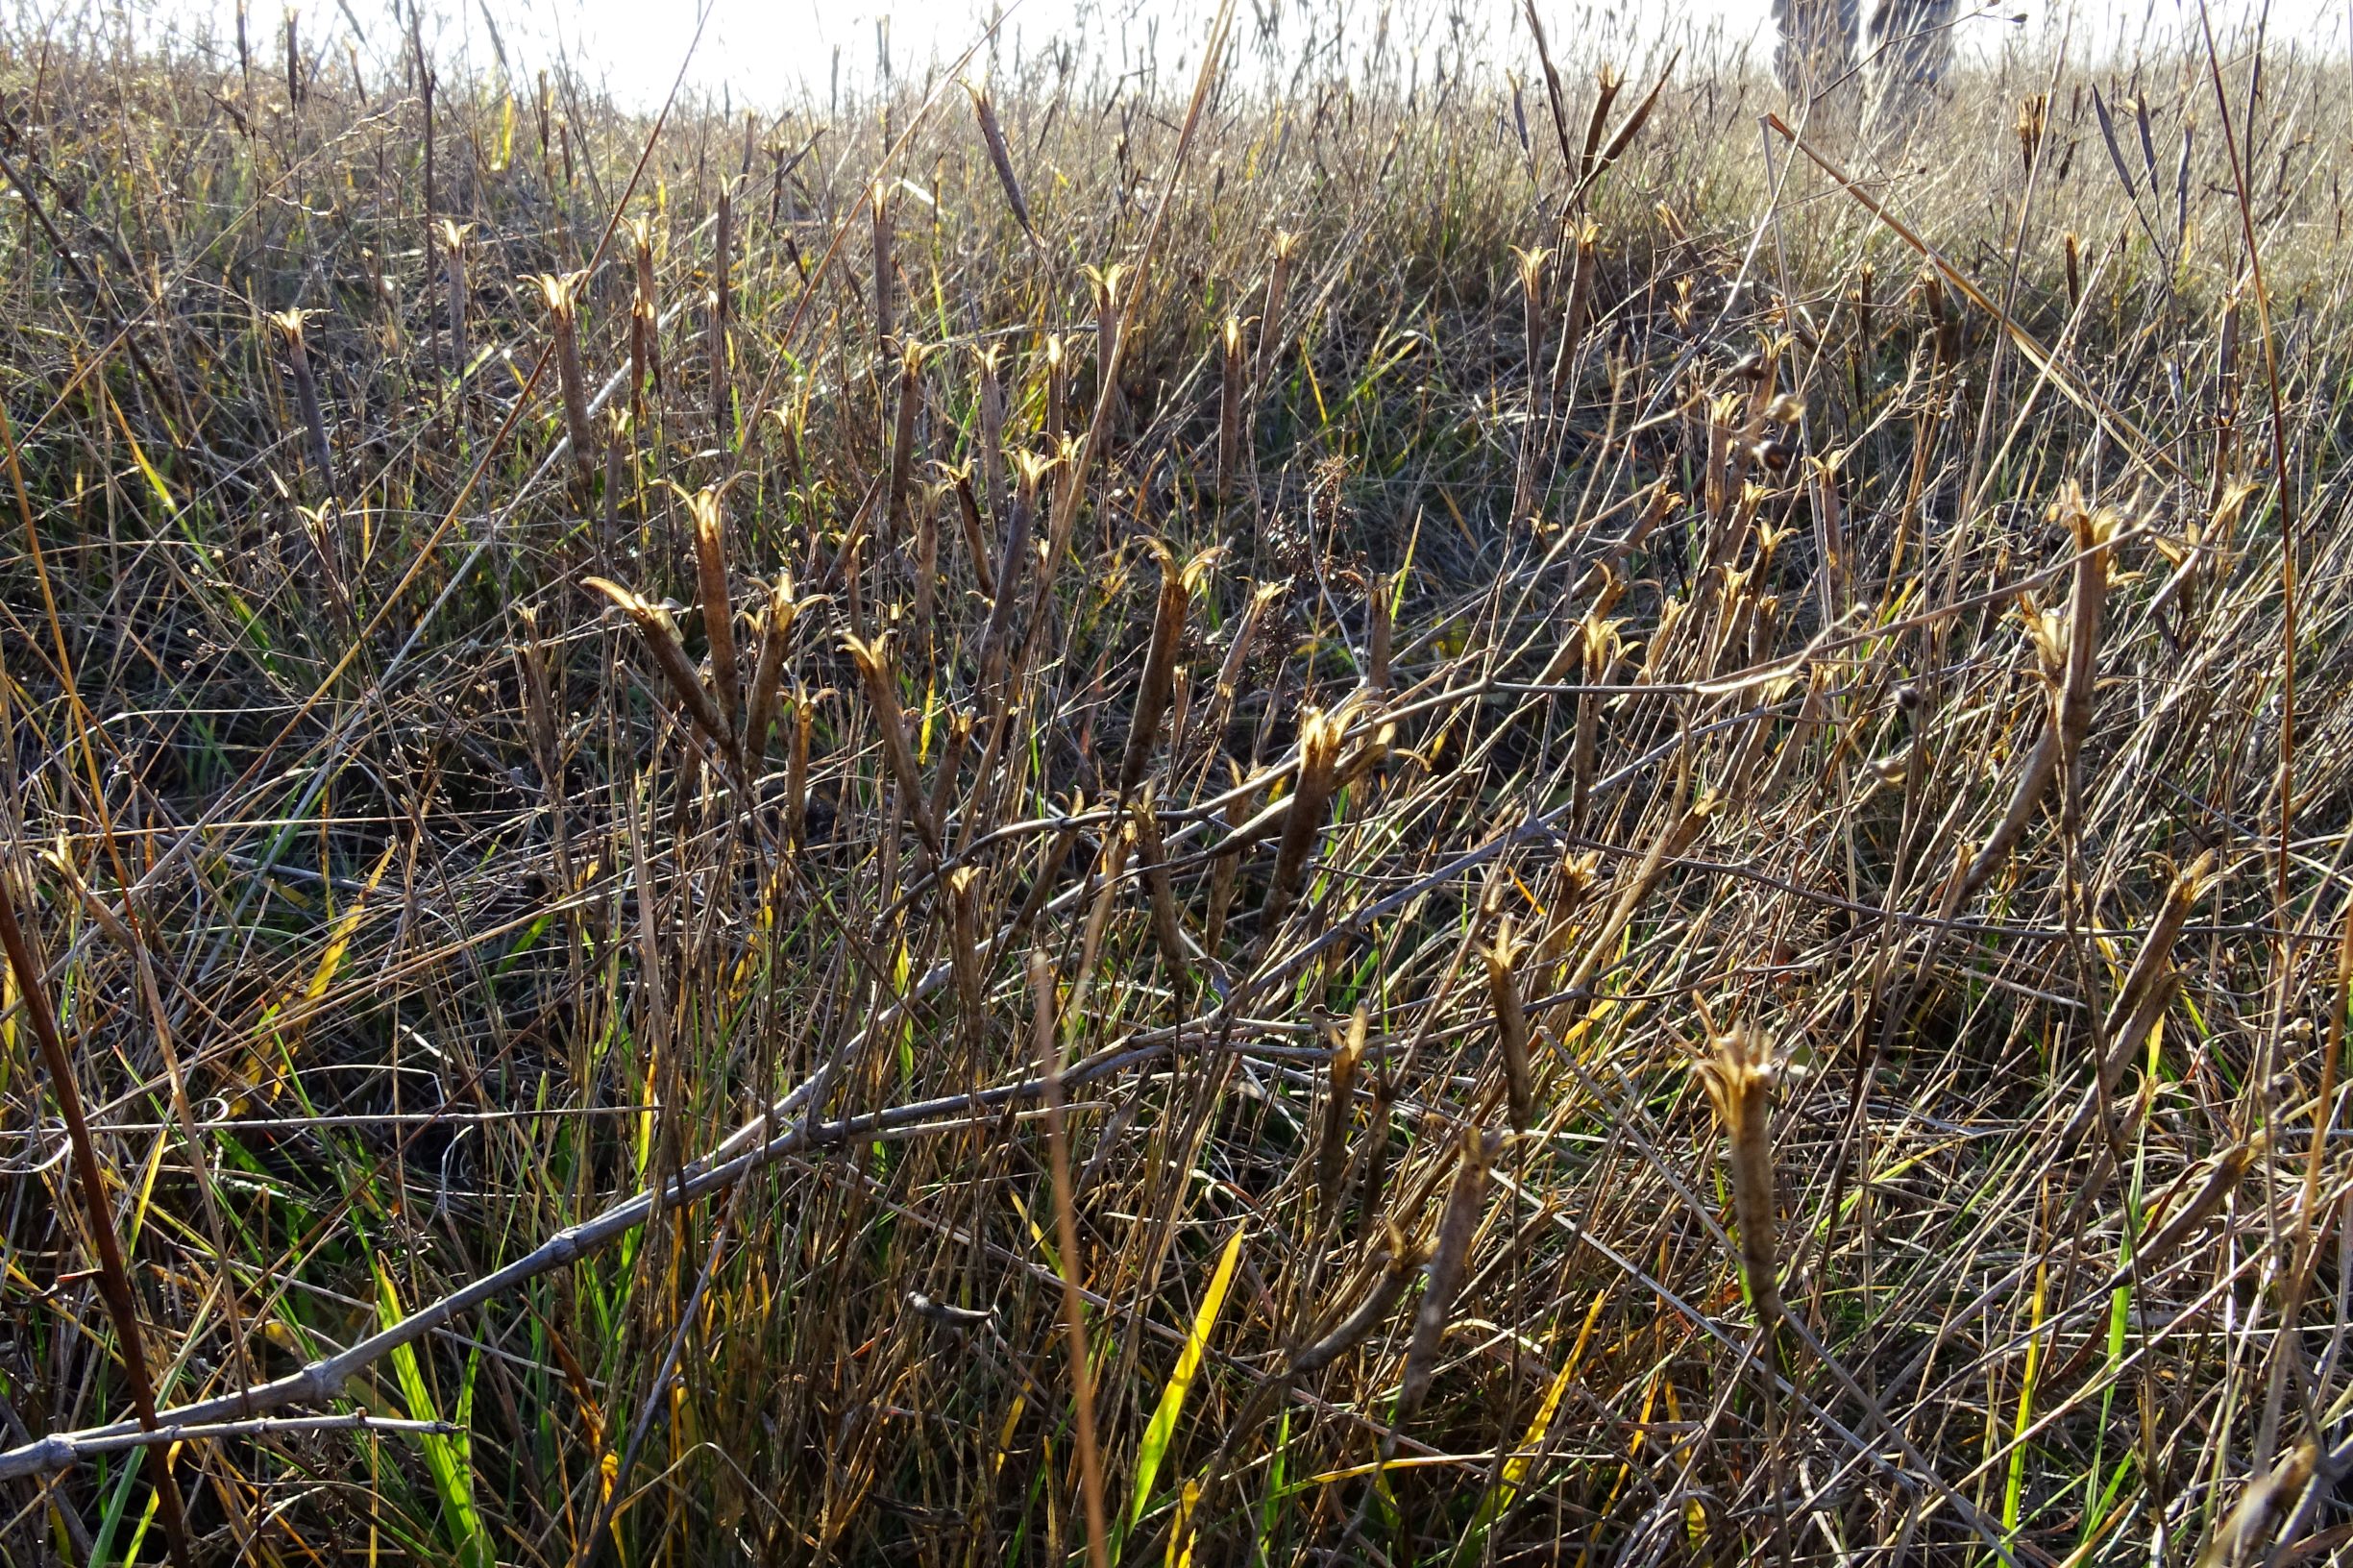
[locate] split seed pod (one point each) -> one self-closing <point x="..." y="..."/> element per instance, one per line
<point x="1511" y="1026"/>
<point x="1319" y="749"/>
<point x="1738" y="1077"/>
<point x="562" y="297"/>
<point x="767" y="679"/>
<point x="660" y="635"/>
<point x="718" y="604"/>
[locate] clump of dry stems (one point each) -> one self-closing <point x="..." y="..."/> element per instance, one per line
<point x="1096" y="959"/>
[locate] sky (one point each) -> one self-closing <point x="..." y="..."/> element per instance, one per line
<point x="769" y="53"/>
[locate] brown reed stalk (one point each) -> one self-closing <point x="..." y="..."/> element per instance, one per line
<point x="1238" y="651"/>
<point x="2149" y="985"/>
<point x="990" y="360"/>
<point x="797" y="767"/>
<point x="1152" y="694"/>
<point x="660" y="635"/>
<point x="1320" y="734"/>
<point x="644" y="319"/>
<point x="1606" y="84"/>
<point x="768" y="675"/>
<point x="881" y="682"/>
<point x="722" y="305"/>
<point x="1602" y="646"/>
<point x="1372" y="1185"/>
<point x="32" y="988"/>
<point x="1000" y="158"/>
<point x="955" y="735"/>
<point x="453" y="237"/>
<point x="1056" y="386"/>
<point x="1339" y="1105"/>
<point x="1066" y="1223"/>
<point x="1231" y="389"/>
<point x="290" y="326"/>
<point x="976" y="535"/>
<point x="1103" y="285"/>
<point x="616" y="455"/>
<point x="1466" y="1203"/>
<point x="1737" y="1075"/>
<point x="1284" y="248"/>
<point x="1398" y="1267"/>
<point x="1502" y="959"/>
<point x="561" y="295"/>
<point x="1532" y="430"/>
<point x="926" y="557"/>
<point x="903" y="438"/>
<point x="1575" y="313"/>
<point x="1152" y="856"/>
<point x="878" y="199"/>
<point x="718" y="602"/>
<point x="2067" y="652"/>
<point x="964" y="955"/>
<point x="2090" y="531"/>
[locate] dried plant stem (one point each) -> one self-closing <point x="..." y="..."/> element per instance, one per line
<point x="1466" y="1203"/>
<point x="1065" y="1231"/>
<point x="114" y="1278"/>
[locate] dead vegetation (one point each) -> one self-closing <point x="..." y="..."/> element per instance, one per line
<point x="1210" y="812"/>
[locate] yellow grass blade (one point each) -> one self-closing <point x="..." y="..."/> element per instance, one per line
<point x="1157" y="1436"/>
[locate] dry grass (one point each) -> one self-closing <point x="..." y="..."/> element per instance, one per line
<point x="1081" y="892"/>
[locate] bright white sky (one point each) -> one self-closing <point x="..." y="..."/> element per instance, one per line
<point x="765" y="53"/>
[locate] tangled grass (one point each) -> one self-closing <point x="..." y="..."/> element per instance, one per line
<point x="1253" y="816"/>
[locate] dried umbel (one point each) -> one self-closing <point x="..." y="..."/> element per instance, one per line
<point x="561" y="294"/>
<point x="1737" y="1073"/>
<point x="289" y="324"/>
